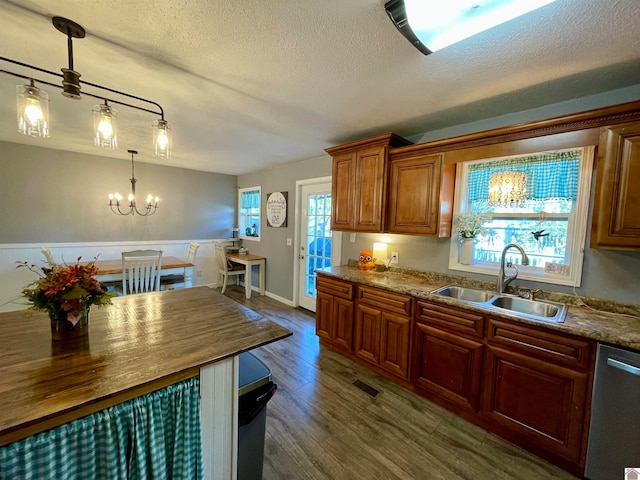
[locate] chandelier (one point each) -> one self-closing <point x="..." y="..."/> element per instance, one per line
<point x="33" y="103"/>
<point x="508" y="188"/>
<point x="131" y="208"/>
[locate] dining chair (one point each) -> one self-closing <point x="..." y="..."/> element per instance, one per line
<point x="141" y="271"/>
<point x="226" y="268"/>
<point x="176" y="279"/>
<point x="48" y="255"/>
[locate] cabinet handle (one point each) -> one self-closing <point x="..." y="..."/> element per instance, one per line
<point x="623" y="366"/>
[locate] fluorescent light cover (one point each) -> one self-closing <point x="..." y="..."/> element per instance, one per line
<point x="441" y="23"/>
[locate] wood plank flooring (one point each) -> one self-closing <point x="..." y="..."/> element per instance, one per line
<point x="321" y="426"/>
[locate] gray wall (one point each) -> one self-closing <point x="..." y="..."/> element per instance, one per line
<point x="56" y="196"/>
<point x="273" y="241"/>
<point x="609" y="275"/>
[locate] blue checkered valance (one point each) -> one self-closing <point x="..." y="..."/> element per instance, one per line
<point x="250" y="199"/>
<point x="549" y="175"/>
<point x="156" y="436"/>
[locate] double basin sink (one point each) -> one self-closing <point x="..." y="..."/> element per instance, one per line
<point x="533" y="309"/>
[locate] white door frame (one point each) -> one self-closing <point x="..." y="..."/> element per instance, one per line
<point x="296" y="241"/>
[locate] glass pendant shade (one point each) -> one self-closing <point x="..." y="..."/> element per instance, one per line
<point x="508" y="188"/>
<point x="33" y="111"/>
<point x="162" y="139"/>
<point x="105" y="127"/>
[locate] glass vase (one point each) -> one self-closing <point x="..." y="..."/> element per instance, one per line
<point x="64" y="329"/>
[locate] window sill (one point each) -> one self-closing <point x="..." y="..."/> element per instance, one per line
<point x="523" y="274"/>
<point x="253" y="239"/>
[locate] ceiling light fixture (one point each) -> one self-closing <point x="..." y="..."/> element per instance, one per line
<point x="33" y="103"/>
<point x="434" y="24"/>
<point x="115" y="198"/>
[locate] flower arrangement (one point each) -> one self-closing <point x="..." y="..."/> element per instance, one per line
<point x="470" y="225"/>
<point x="65" y="291"/>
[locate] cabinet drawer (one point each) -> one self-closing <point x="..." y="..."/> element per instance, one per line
<point x="334" y="287"/>
<point x="545" y="345"/>
<point x="387" y="301"/>
<point x="451" y="319"/>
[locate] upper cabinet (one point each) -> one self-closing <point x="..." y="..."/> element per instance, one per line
<point x="360" y="182"/>
<point x="421" y="195"/>
<point x="616" y="214"/>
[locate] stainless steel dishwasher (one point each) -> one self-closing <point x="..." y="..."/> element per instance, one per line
<point x="614" y="434"/>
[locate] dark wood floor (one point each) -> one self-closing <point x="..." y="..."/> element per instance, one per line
<point x="321" y="426"/>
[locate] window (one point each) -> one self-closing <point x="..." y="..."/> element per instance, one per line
<point x="549" y="222"/>
<point x="249" y="213"/>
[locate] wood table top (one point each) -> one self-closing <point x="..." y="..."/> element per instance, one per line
<point x="107" y="267"/>
<point x="245" y="256"/>
<point x="139" y="344"/>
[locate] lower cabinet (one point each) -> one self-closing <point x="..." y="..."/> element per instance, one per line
<point x="537" y="385"/>
<point x="447" y="365"/>
<point x="382" y="329"/>
<point x="527" y="383"/>
<point x="334" y="312"/>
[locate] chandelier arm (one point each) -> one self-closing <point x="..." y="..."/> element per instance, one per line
<point x="95" y="85"/>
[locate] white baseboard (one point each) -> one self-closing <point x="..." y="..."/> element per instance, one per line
<point x="279" y="299"/>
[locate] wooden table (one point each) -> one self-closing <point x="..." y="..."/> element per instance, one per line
<point x="249" y="261"/>
<point x="111" y="270"/>
<point x="139" y="344"/>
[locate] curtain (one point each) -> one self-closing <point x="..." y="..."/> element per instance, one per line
<point x="250" y="199"/>
<point x="549" y="176"/>
<point x="156" y="436"/>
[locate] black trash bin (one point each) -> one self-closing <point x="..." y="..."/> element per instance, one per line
<point x="255" y="389"/>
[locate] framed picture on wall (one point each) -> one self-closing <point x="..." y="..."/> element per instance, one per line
<point x="276" y="210"/>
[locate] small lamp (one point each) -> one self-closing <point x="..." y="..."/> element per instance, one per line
<point x="380" y="255"/>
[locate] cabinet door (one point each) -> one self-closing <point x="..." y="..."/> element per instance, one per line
<point x="324" y="313"/>
<point x="394" y="344"/>
<point x="542" y="402"/>
<point x="343" y="192"/>
<point x="368" y="322"/>
<point x="370" y="189"/>
<point x="342" y="333"/>
<point x="447" y="365"/>
<point x="616" y="213"/>
<point x="421" y="196"/>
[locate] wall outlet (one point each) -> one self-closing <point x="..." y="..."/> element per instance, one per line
<point x="352" y="237"/>
<point x="288" y="242"/>
<point x="199" y="273"/>
<point x="394" y="258"/>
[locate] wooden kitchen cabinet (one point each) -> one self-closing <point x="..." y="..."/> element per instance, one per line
<point x="447" y="353"/>
<point x="536" y="388"/>
<point x="360" y="183"/>
<point x="421" y="195"/>
<point x="382" y="329"/>
<point x="334" y="312"/>
<point x="616" y="211"/>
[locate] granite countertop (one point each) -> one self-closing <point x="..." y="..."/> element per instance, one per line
<point x="612" y="326"/>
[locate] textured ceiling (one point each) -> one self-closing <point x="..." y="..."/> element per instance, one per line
<point x="253" y="83"/>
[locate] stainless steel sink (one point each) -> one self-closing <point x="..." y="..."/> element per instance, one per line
<point x="466" y="294"/>
<point x="546" y="310"/>
<point x="543" y="311"/>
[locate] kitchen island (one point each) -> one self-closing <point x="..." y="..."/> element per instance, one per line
<point x="140" y="344"/>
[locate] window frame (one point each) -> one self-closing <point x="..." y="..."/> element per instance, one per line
<point x="241" y="226"/>
<point x="576" y="229"/>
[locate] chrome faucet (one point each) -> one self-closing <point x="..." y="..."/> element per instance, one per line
<point x="503" y="278"/>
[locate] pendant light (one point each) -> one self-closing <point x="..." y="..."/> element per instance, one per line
<point x="131" y="208"/>
<point x="104" y="123"/>
<point x="162" y="139"/>
<point x="33" y="110"/>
